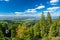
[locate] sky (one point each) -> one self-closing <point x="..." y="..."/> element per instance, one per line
<point x="29" y="7"/>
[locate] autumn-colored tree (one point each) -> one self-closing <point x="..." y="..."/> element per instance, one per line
<point x="20" y="30"/>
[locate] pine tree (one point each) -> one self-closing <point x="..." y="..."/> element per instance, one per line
<point x="36" y="31"/>
<point x="31" y="32"/>
<point x="49" y="19"/>
<point x="43" y="25"/>
<point x="52" y="31"/>
<point x="49" y="22"/>
<point x="58" y="26"/>
<point x="28" y="34"/>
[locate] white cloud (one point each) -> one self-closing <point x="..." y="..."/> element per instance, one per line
<point x="54" y="14"/>
<point x="35" y="9"/>
<point x="47" y="11"/>
<point x="54" y="2"/>
<point x="18" y="13"/>
<point x="53" y="8"/>
<point x="28" y="14"/>
<point x="40" y="7"/>
<point x="33" y="15"/>
<point x="52" y="11"/>
<point x="31" y="10"/>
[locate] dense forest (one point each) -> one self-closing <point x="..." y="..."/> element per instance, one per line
<point x="46" y="28"/>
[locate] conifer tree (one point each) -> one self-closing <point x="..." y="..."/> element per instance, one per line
<point x="49" y="22"/>
<point x="58" y="26"/>
<point x="52" y="31"/>
<point x="49" y="19"/>
<point x="27" y="35"/>
<point x="36" y="31"/>
<point x="43" y="25"/>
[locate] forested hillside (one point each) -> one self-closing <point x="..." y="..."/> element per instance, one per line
<point x="45" y="28"/>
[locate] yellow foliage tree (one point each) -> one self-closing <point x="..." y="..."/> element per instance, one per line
<point x="20" y="30"/>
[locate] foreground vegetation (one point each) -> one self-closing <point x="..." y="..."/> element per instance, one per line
<point x="44" y="29"/>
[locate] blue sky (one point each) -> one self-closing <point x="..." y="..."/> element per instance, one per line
<point x="29" y="7"/>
